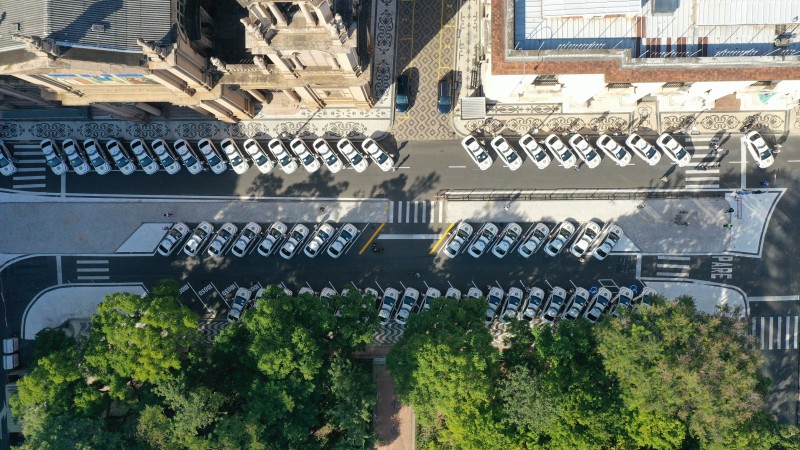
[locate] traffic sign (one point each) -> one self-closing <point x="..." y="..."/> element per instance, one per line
<point x="593" y="290"/>
<point x="634" y="288"/>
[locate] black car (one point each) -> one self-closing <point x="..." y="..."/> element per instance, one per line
<point x="401" y="95"/>
<point x="445" y="102"/>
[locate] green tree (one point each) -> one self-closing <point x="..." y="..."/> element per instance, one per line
<point x="351" y="400"/>
<point x="142" y="338"/>
<point x="687" y="376"/>
<point x="445" y="366"/>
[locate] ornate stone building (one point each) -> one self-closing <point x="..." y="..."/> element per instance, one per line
<point x="224" y="59"/>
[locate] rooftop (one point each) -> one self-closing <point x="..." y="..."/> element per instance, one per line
<point x="659" y="28"/>
<point x="101" y="24"/>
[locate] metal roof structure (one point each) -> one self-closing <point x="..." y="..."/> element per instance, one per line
<point x="99" y="24"/>
<point x="561" y="8"/>
<point x="721" y="28"/>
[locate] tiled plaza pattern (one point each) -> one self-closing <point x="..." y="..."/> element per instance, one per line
<point x="425" y="50"/>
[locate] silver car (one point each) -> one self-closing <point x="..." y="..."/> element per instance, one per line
<point x="166" y="157"/>
<point x="486" y="236"/>
<point x="318" y="240"/>
<point x="263" y="163"/>
<point x="173" y="237"/>
<point x="120" y="156"/>
<point x="533" y="305"/>
<point x="200" y="235"/>
<point x="96" y="157"/>
<point x="508" y="239"/>
<point x="144" y="156"/>
<point x="188" y="156"/>
<point x="555" y="303"/>
<point x="296" y="237"/>
<point x="54" y="156"/>
<point x="585" y="150"/>
<point x="644" y="149"/>
<point x="560" y="151"/>
<point x="586" y="237"/>
<point x="329" y="157"/>
<point x="234" y="155"/>
<point x="75" y="157"/>
<point x="673" y="149"/>
<point x="577" y="304"/>
<point x="612" y="237"/>
<point x="351" y="154"/>
<point x="560" y="237"/>
<point x="246" y="239"/>
<point x="221" y="239"/>
<point x="286" y="161"/>
<point x="600" y="304"/>
<point x="534" y="151"/>
<point x="307" y="159"/>
<point x="377" y="154"/>
<point x="390" y="297"/>
<point x="275" y="233"/>
<point x="457" y="240"/>
<point x="343" y="240"/>
<point x="212" y="156"/>
<point x="513" y="304"/>
<point x="7" y="166"/>
<point x="534" y="240"/>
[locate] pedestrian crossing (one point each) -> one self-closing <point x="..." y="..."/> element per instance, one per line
<point x="673" y="266"/>
<point x="416" y="211"/>
<point x="776" y="333"/>
<point x="92" y="269"/>
<point x="703" y="172"/>
<point x="31" y="168"/>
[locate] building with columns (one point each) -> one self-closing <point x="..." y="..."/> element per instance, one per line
<point x="229" y="59"/>
<point x="683" y="55"/>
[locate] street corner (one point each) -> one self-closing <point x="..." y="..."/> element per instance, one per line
<point x="707" y="295"/>
<point x="54" y="306"/>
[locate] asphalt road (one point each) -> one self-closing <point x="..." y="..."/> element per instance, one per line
<point x="424" y="169"/>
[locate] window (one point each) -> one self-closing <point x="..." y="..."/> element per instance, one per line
<point x="619" y="85"/>
<point x="676" y="84"/>
<point x="546" y="80"/>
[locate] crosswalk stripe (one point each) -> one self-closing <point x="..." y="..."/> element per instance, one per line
<point x="702" y="186"/>
<point x="92" y="269"/>
<point x="31" y="161"/>
<point x="763" y="319"/>
<point x="795" y="330"/>
<point x="31" y="169"/>
<point x="416" y="210"/>
<point x="693" y="171"/>
<point x="391" y="212"/>
<point x="673" y="274"/>
<point x="441" y="211"/>
<point x="408" y="211"/>
<point x="27" y="146"/>
<point x="28" y="186"/>
<point x="29" y="178"/>
<point x="702" y="178"/>
<point x="400" y="211"/>
<point x="778" y="333"/>
<point x="674" y="266"/>
<point x="91" y="261"/>
<point x="93" y="278"/>
<point x="770" y="333"/>
<point x="675" y="258"/>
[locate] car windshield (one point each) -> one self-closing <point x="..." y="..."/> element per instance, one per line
<point x="346" y="235"/>
<point x="224" y="234"/>
<point x="357" y="158"/>
<point x="323" y="235"/>
<point x="381" y="158"/>
<point x="248" y="233"/>
<point x="591" y="155"/>
<point x="681" y="154"/>
<point x="213" y="159"/>
<point x="651" y="152"/>
<point x="329" y="159"/>
<point x="98" y="161"/>
<point x="200" y="233"/>
<point x="620" y="153"/>
<point x="235" y="158"/>
<point x="308" y="160"/>
<point x="53" y="161"/>
<point x="511" y="157"/>
<point x="75" y="159"/>
<point x="286" y="160"/>
<point x="191" y="160"/>
<point x="145" y="160"/>
<point x="122" y="160"/>
<point x="297" y="235"/>
<point x="275" y="232"/>
<point x="566" y="156"/>
<point x="480" y="155"/>
<point x="766" y="154"/>
<point x="261" y="159"/>
<point x="540" y="155"/>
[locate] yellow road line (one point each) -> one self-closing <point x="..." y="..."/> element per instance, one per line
<point x="372" y="238"/>
<point x="444" y="235"/>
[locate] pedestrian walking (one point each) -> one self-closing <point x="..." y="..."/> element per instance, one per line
<point x="764" y="183"/>
<point x="664" y="179"/>
<point x="321" y="209"/>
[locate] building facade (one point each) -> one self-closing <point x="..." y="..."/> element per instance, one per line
<point x="224" y="59"/>
<point x="685" y="55"/>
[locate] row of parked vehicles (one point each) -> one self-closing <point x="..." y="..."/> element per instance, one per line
<point x="275" y="238"/>
<point x="88" y="155"/>
<point x="530" y="306"/>
<point x="591" y="239"/>
<point x="244" y="297"/>
<point x="565" y="154"/>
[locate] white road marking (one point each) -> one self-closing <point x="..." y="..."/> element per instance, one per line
<point x="408" y="236"/>
<point x="91" y="261"/>
<point x="693" y="171"/>
<point x="795" y="330"/>
<point x="92" y="269"/>
<point x="29" y="178"/>
<point x="674" y="266"/>
<point x="778" y="334"/>
<point x="673" y="274"/>
<point x="763" y="319"/>
<point x="93" y="278"/>
<point x="770" y="333"/>
<point x="787" y="332"/>
<point x="743" y="172"/>
<point x="774" y="298"/>
<point x="60" y="276"/>
<point x="702" y="186"/>
<point x="793" y="160"/>
<point x="441" y="211"/>
<point x="400" y="210"/>
<point x="391" y="212"/>
<point x="674" y="258"/>
<point x="31" y="169"/>
<point x="701" y="179"/>
<point x="456" y="167"/>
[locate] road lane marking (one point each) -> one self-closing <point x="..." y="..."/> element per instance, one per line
<point x="444" y="235"/>
<point x="763" y="319"/>
<point x="462" y="167"/>
<point x="415" y="236"/>
<point x="778" y="334"/>
<point x="391" y="212"/>
<point x="774" y="298"/>
<point x="770" y="333"/>
<point x="372" y="238"/>
<point x="675" y="258"/>
<point x="672" y="274"/>
<point x="743" y="171"/>
<point x="795" y="330"/>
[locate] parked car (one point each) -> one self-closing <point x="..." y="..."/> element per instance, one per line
<point x="275" y="233"/>
<point x="560" y="151"/>
<point x="7" y="166"/>
<point x="319" y="239"/>
<point x="614" y="151"/>
<point x="377" y="154"/>
<point x="430" y="294"/>
<point x="445" y="100"/>
<point x="452" y="294"/>
<point x="296" y="237"/>
<point x="587" y="235"/>
<point x="673" y="149"/>
<point x="561" y="236"/>
<point x="537" y="154"/>
<point x="263" y="163"/>
<point x="647" y="296"/>
<point x="329" y="157"/>
<point x="174" y="236"/>
<point x="212" y="156"/>
<point x="96" y="157"/>
<point x="390" y="297"/>
<point x="508" y="239"/>
<point x="534" y="240"/>
<point x="401" y="102"/>
<point x="187" y="154"/>
<point x="222" y="239"/>
<point x="486" y="236"/>
<point x="474" y="292"/>
<point x="623" y="300"/>
<point x="75" y="156"/>
<point x="200" y="235"/>
<point x="584" y="150"/>
<point x="759" y="150"/>
<point x="456" y="241"/>
<point x="612" y="237"/>
<point x="145" y="157"/>
<point x="287" y="162"/>
<point x="343" y="240"/>
<point x="166" y="157"/>
<point x="600" y="304"/>
<point x="494" y="300"/>
<point x="246" y="239"/>
<point x="120" y="156"/>
<point x="240" y="301"/>
<point x="577" y="304"/>
<point x="506" y="152"/>
<point x="238" y="163"/>
<point x="647" y="152"/>
<point x="513" y="303"/>
<point x="477" y="152"/>
<point x="307" y="159"/>
<point x="533" y="305"/>
<point x="410" y="297"/>
<point x="555" y="303"/>
<point x="352" y="155"/>
<point x="53" y="156"/>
